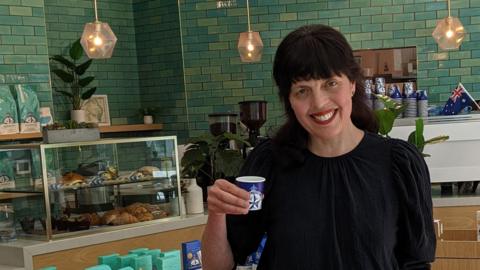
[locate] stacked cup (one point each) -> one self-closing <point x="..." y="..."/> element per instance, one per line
<point x="422" y="103"/>
<point x="395" y="94"/>
<point x="379" y="90"/>
<point x="368" y="92"/>
<point x="409" y="100"/>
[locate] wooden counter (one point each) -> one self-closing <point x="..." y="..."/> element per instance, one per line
<point x="82" y="251"/>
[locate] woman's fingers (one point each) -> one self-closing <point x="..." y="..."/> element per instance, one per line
<point x="226" y="198"/>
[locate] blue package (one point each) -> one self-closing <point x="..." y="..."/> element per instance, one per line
<point x="192" y="255"/>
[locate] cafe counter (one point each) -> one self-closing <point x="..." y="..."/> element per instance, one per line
<point x="82" y="251"/>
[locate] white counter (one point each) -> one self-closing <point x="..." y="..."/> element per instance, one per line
<point x="19" y="253"/>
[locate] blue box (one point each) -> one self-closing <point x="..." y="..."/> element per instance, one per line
<point x="192" y="255"/>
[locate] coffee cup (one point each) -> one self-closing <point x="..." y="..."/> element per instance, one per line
<point x="254" y="185"/>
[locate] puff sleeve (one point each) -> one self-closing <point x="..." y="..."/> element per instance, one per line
<point x="416" y="241"/>
<point x="244" y="232"/>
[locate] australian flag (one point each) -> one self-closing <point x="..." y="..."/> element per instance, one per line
<point x="457" y="101"/>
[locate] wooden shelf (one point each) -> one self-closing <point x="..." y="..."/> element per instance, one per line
<point x="130" y="128"/>
<point x="103" y="129"/>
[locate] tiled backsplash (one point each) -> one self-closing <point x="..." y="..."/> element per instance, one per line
<point x="215" y="78"/>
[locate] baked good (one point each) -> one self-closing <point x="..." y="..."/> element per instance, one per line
<point x="144" y="216"/>
<point x="93" y="218"/>
<point x="72" y="178"/>
<point x="124" y="218"/>
<point x="109" y="216"/>
<point x="148" y="170"/>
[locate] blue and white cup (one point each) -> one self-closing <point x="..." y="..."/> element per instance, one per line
<point x="422" y="103"/>
<point x="254" y="185"/>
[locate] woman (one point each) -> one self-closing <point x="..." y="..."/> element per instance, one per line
<point x="337" y="195"/>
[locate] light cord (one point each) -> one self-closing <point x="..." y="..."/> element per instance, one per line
<point x="95" y="8"/>
<point x="248" y="17"/>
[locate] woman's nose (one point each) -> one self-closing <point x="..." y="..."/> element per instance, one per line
<point x="319" y="98"/>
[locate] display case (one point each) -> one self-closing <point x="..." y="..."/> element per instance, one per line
<point x="59" y="190"/>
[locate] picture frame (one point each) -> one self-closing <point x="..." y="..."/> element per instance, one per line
<point x="96" y="110"/>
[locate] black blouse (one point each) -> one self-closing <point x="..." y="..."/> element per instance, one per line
<point x="368" y="209"/>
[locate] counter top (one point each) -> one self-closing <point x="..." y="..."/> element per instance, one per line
<point x="17" y="253"/>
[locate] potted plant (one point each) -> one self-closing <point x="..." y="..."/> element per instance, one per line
<point x="71" y="131"/>
<point x="148" y="114"/>
<point x="71" y="73"/>
<point x="386" y="117"/>
<point x="208" y="158"/>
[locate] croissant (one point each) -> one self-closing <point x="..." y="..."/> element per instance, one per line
<point x="109" y="216"/>
<point x="93" y="218"/>
<point x="124" y="218"/>
<point x="144" y="217"/>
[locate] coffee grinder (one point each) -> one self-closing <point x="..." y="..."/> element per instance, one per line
<point x="253" y="114"/>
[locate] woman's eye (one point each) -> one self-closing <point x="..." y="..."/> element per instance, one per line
<point x="332" y="84"/>
<point x="300" y="92"/>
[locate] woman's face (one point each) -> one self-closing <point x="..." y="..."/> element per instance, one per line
<point x="323" y="106"/>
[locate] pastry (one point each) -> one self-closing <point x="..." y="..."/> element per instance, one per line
<point x="140" y="211"/>
<point x="72" y="178"/>
<point x="93" y="218"/>
<point x="148" y="170"/>
<point x="109" y="216"/>
<point x="144" y="216"/>
<point x="124" y="218"/>
<point x="136" y="208"/>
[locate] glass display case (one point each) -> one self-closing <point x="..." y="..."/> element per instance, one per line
<point x="57" y="190"/>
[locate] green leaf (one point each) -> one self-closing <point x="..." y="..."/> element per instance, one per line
<point x="228" y="162"/>
<point x="69" y="64"/>
<point x="419" y="139"/>
<point x="437" y="139"/>
<point x="192" y="161"/>
<point x="85" y="81"/>
<point x="237" y="138"/>
<point x="89" y="93"/>
<point x="76" y="51"/>
<point x="68" y="94"/>
<point x="82" y="68"/>
<point x="65" y="76"/>
<point x="385" y="121"/>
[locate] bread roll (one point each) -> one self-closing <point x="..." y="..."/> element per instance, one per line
<point x="72" y="178"/>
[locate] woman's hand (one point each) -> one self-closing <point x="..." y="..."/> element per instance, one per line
<point x="226" y="198"/>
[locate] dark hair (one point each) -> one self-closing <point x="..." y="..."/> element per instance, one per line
<point x="317" y="52"/>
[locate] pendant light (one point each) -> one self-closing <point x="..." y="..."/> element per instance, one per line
<point x="449" y="32"/>
<point x="250" y="45"/>
<point x="98" y="39"/>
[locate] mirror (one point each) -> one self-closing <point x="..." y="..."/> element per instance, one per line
<point x="396" y="65"/>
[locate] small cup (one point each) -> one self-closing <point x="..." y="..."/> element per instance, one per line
<point x="254" y="185"/>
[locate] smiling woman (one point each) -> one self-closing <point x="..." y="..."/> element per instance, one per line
<point x="337" y="195"/>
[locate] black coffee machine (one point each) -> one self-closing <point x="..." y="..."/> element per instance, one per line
<point x="253" y="114"/>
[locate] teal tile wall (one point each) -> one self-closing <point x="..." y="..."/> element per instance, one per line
<point x="159" y="52"/>
<point x="116" y="77"/>
<point x="216" y="80"/>
<point x="23" y="46"/>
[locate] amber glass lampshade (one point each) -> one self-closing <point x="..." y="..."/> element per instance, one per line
<point x="98" y="39"/>
<point x="250" y="46"/>
<point x="449" y="33"/>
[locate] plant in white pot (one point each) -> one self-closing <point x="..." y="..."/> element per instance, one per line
<point x="71" y="72"/>
<point x="148" y="114"/>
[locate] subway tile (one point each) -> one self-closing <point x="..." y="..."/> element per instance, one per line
<point x="20" y="11"/>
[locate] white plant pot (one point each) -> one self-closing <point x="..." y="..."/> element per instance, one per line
<point x="78" y="115"/>
<point x="147" y="119"/>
